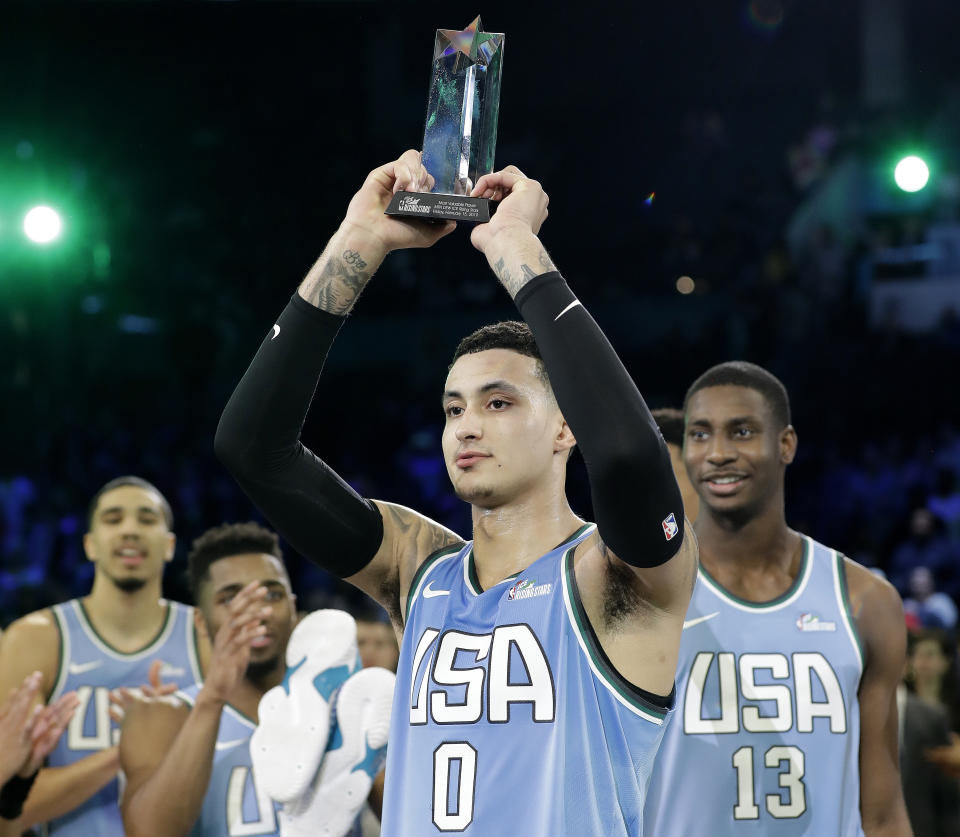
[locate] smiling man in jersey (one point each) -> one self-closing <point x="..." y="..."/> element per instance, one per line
<point x="105" y="640"/>
<point x="537" y="662"/>
<point x="791" y="653"/>
<point x="190" y="747"/>
<point x="194" y="747"/>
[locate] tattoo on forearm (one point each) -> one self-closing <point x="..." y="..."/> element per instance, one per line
<point x="352" y="257"/>
<point x="508" y="281"/>
<point x="339" y="284"/>
<point x="514" y="282"/>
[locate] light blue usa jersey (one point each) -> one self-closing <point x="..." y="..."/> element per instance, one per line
<point x="234" y="805"/>
<point x="90" y="666"/>
<point x="508" y="717"/>
<point x="766" y="738"/>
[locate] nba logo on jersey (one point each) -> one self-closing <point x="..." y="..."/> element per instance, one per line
<point x="670" y="527"/>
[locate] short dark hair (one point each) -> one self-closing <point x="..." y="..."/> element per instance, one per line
<point x="138" y="482"/>
<point x="508" y="334"/>
<point x="670" y="422"/>
<point x="224" y="541"/>
<point x="740" y="373"/>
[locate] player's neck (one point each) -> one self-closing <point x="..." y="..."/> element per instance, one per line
<point x="762" y="541"/>
<point x="247" y="695"/>
<point x="509" y="538"/>
<point x="128" y="620"/>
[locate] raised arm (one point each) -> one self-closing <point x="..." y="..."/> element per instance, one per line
<point x="375" y="546"/>
<point x="636" y="501"/>
<point x="878" y="613"/>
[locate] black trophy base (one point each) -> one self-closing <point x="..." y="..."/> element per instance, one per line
<point x="435" y="205"/>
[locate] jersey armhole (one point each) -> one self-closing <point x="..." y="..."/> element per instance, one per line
<point x="184" y="698"/>
<point x="63" y="636"/>
<point x="843" y="601"/>
<point x="193" y="645"/>
<point x="418" y="577"/>
<point x="651" y="707"/>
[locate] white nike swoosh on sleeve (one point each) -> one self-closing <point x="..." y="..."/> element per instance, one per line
<point x="573" y="304"/>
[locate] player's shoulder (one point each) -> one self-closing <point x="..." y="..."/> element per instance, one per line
<point x="870" y="593"/>
<point x="409" y="539"/>
<point x="877" y="611"/>
<point x="31" y="643"/>
<point x="36" y="631"/>
<point x="409" y="527"/>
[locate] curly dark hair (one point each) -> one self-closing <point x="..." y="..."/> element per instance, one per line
<point x="507" y="334"/>
<point x="222" y="542"/>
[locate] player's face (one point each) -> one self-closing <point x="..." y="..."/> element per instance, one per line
<point x="503" y="430"/>
<point x="734" y="453"/>
<point x="377" y="645"/>
<point x="228" y="576"/>
<point x="128" y="539"/>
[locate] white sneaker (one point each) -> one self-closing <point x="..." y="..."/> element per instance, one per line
<point x="356" y="753"/>
<point x="294" y="718"/>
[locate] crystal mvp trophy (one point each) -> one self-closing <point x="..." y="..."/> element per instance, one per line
<point x="461" y="129"/>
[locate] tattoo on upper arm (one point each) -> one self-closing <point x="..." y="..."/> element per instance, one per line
<point x="340" y="282"/>
<point x="425" y="537"/>
<point x="400" y="519"/>
<point x="436" y="538"/>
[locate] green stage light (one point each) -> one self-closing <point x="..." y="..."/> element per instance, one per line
<point x="42" y="224"/>
<point x="911" y="174"/>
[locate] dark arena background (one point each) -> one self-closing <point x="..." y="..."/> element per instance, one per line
<point x="721" y="176"/>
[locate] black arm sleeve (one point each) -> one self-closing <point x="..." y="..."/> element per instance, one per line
<point x="258" y="440"/>
<point x="13" y="794"/>
<point x="636" y="500"/>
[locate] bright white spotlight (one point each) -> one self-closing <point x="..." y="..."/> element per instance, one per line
<point x="911" y="174"/>
<point x="42" y="224"/>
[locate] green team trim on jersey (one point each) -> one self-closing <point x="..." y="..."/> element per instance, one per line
<point x="191" y="702"/>
<point x="599" y="661"/>
<point x="193" y="648"/>
<point x="798" y="584"/>
<point x="241" y="715"/>
<point x="843" y="593"/>
<point x="428" y="562"/>
<point x="473" y="580"/>
<point x="97" y="638"/>
<point x="64" y="635"/>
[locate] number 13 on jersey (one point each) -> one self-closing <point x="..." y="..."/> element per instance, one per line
<point x="790" y="779"/>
